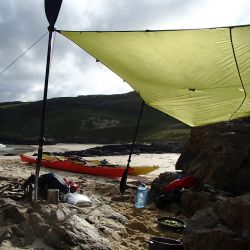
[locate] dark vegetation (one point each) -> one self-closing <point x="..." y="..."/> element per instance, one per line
<point x="87" y="119"/>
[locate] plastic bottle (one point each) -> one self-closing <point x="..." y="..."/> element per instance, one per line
<point x="141" y="196"/>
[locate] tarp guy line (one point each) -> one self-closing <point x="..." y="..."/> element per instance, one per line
<point x="231" y="39"/>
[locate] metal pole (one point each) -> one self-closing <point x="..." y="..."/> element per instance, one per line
<point x="41" y="139"/>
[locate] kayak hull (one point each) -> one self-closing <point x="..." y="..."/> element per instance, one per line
<point x="70" y="166"/>
<point x="141" y="170"/>
<point x="113" y="171"/>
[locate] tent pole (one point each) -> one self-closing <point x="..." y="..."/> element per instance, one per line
<point x="41" y="139"/>
<point x="123" y="182"/>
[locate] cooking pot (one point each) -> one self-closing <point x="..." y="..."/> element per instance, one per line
<point x="162" y="243"/>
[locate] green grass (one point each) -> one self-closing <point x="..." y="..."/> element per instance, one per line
<point x="65" y="115"/>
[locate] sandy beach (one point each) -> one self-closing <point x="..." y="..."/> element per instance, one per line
<point x="141" y="223"/>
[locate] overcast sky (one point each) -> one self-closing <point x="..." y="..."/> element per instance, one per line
<point x="74" y="72"/>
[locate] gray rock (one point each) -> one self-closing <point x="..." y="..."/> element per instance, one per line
<point x="192" y="201"/>
<point x="64" y="226"/>
<point x="4" y="202"/>
<point x="35" y="218"/>
<point x="219" y="155"/>
<point x="75" y="231"/>
<point x="38" y="225"/>
<point x="235" y="212"/>
<point x="205" y="218"/>
<point x="204" y="231"/>
<point x="52" y="213"/>
<point x="14" y="214"/>
<point x="20" y="235"/>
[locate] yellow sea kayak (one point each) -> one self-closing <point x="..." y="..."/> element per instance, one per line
<point x="141" y="170"/>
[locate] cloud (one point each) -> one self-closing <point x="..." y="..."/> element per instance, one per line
<point x="74" y="72"/>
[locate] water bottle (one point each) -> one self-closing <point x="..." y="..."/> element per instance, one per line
<point x="141" y="196"/>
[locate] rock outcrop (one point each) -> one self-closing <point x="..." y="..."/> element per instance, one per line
<point x="61" y="226"/>
<point x="224" y="226"/>
<point x="204" y="231"/>
<point x="124" y="149"/>
<point x="219" y="155"/>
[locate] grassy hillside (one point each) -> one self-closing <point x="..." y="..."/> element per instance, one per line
<point x="88" y="119"/>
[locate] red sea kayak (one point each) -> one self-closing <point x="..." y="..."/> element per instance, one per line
<point x="67" y="165"/>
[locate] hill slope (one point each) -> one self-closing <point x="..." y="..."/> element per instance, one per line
<point x="87" y="119"/>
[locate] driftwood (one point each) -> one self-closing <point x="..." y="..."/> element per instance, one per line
<point x="12" y="189"/>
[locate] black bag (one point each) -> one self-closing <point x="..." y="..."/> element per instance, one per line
<point x="48" y="181"/>
<point x="52" y="181"/>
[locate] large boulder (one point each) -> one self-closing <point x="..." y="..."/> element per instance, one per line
<point x="192" y="201"/>
<point x="235" y="212"/>
<point x="75" y="231"/>
<point x="61" y="226"/>
<point x="219" y="155"/>
<point x="14" y="214"/>
<point x="205" y="231"/>
<point x="225" y="225"/>
<point x="200" y="198"/>
<point x="20" y="235"/>
<point x="70" y="226"/>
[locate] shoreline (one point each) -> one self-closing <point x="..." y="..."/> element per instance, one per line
<point x="165" y="161"/>
<point x="60" y="147"/>
<point x="95" y="149"/>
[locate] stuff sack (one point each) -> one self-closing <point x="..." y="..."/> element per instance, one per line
<point x="184" y="182"/>
<point x="76" y="199"/>
<point x="72" y="186"/>
<point x="52" y="181"/>
<point x="45" y="182"/>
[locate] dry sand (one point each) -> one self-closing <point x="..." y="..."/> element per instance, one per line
<point x="142" y="223"/>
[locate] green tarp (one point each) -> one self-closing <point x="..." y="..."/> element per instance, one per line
<point x="197" y="76"/>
